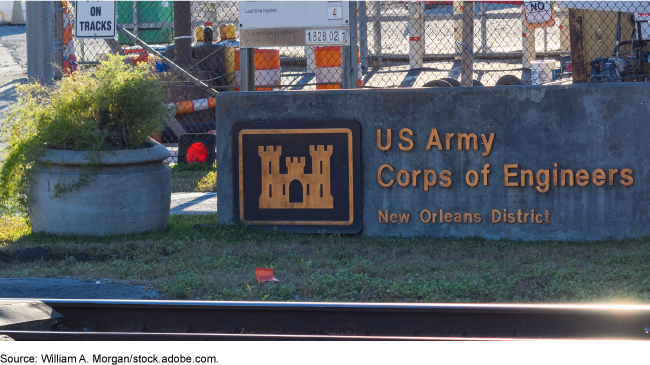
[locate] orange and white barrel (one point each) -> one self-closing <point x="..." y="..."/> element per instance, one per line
<point x="268" y="75"/>
<point x="191" y="106"/>
<point x="329" y="73"/>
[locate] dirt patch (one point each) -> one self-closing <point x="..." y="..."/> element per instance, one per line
<point x="40" y="253"/>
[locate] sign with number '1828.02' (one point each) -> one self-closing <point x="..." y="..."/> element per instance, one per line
<point x="95" y="19"/>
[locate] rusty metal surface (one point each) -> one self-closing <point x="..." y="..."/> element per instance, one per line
<point x="256" y="320"/>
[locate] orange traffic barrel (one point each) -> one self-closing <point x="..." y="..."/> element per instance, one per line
<point x="267" y="70"/>
<point x="329" y="73"/>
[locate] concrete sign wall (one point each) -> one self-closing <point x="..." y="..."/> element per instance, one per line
<point x="565" y="162"/>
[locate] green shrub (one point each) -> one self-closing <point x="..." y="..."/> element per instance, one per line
<point x="114" y="107"/>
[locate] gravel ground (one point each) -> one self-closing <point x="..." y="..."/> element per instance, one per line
<point x="50" y="288"/>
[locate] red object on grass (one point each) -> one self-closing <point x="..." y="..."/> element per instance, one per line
<point x="264" y="274"/>
<point x="196" y="152"/>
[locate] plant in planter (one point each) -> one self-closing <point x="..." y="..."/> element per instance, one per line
<point x="79" y="157"/>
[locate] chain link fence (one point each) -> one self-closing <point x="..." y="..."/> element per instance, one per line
<point x="400" y="44"/>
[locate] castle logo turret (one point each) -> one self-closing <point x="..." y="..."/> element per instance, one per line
<point x="315" y="187"/>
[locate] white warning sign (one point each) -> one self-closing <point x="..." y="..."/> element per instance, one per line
<point x="539" y="14"/>
<point x="95" y="19"/>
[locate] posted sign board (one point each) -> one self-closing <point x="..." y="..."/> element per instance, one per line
<point x="293" y="23"/>
<point x="95" y="19"/>
<point x="623" y="6"/>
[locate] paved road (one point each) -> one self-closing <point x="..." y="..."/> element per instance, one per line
<point x="13" y="67"/>
<point x="193" y="203"/>
<point x="52" y="288"/>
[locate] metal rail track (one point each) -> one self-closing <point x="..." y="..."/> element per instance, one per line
<point x="203" y="320"/>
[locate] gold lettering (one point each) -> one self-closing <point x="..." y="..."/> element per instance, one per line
<point x="525" y="173"/>
<point x="383" y="216"/>
<point x="507" y="174"/>
<point x="485" y="171"/>
<point x="626" y="174"/>
<point x="582" y="178"/>
<point x="468" y="217"/>
<point x="388" y="142"/>
<point x="448" y="138"/>
<point x="612" y="173"/>
<point x="379" y="179"/>
<point x="598" y="177"/>
<point x="415" y="175"/>
<point x="564" y="174"/>
<point x="399" y="178"/>
<point x="445" y="177"/>
<point x="468" y="179"/>
<point x="428" y="216"/>
<point x="429" y="183"/>
<point x="393" y="218"/>
<point x="448" y="217"/>
<point x="487" y="144"/>
<point x="404" y="218"/>
<point x="434" y="140"/>
<point x="494" y="216"/>
<point x="405" y="139"/>
<point x="543" y="187"/>
<point x="467" y="138"/>
<point x="477" y="217"/>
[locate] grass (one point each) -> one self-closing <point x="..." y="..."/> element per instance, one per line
<point x="196" y="258"/>
<point x="194" y="178"/>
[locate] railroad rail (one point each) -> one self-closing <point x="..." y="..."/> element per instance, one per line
<point x="206" y="320"/>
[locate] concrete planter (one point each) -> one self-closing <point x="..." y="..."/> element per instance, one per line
<point x="131" y="192"/>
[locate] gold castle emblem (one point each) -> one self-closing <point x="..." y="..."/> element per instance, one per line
<point x="315" y="186"/>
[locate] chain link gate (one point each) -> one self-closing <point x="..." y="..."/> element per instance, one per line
<point x="399" y="44"/>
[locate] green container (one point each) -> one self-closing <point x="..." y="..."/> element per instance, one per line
<point x="155" y="20"/>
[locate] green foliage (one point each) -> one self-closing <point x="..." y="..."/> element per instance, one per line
<point x="114" y="107"/>
<point x="194" y="177"/>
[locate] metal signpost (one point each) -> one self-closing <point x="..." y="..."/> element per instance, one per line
<point x="95" y="19"/>
<point x="299" y="24"/>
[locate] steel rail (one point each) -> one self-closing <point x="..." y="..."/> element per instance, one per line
<point x="144" y="336"/>
<point x="506" y="321"/>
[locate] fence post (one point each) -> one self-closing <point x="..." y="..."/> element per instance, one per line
<point x="467" y="59"/>
<point x="376" y="32"/>
<point x="135" y="19"/>
<point x="363" y="33"/>
<point x="349" y="60"/>
<point x="57" y="43"/>
<point x="247" y="69"/>
<point x="182" y="34"/>
<point x="416" y="35"/>
<point x="528" y="52"/>
<point x="40" y="41"/>
<point x="484" y="47"/>
<point x="565" y="37"/>
<point x="458" y="27"/>
<point x="310" y="55"/>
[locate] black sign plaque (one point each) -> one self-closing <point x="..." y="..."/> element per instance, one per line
<point x="302" y="176"/>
